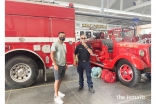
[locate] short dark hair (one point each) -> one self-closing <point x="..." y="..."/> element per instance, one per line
<point x="61" y="33"/>
<point x="82" y="34"/>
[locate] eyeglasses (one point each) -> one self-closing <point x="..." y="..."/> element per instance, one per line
<point x="83" y="38"/>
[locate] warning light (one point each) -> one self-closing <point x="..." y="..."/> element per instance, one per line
<point x="71" y="5"/>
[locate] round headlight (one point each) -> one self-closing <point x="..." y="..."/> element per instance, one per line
<point x="141" y="53"/>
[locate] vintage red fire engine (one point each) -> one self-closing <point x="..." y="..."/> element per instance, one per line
<point x="30" y="30"/>
<point x="128" y="59"/>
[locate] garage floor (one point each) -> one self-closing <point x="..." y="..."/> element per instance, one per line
<point x="43" y="92"/>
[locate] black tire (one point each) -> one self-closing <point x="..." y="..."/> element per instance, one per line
<point x="136" y="74"/>
<point x="32" y="72"/>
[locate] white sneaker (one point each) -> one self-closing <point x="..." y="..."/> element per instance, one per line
<point x="60" y="94"/>
<point x="58" y="100"/>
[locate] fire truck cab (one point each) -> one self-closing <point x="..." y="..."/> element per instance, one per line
<point x="30" y="30"/>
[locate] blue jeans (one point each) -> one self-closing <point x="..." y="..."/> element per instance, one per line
<point x="80" y="69"/>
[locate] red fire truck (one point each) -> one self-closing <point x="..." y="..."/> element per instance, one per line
<point x="127" y="59"/>
<point x="30" y="30"/>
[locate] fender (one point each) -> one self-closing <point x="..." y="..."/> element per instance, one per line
<point x="134" y="60"/>
<point x="27" y="51"/>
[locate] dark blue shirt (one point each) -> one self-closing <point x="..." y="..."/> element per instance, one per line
<point x="82" y="52"/>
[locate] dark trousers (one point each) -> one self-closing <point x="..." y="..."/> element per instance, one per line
<point x="80" y="69"/>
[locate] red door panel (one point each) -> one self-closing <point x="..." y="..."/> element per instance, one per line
<point x="14" y="26"/>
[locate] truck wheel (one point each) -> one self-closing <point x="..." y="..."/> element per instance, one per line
<point x="20" y="72"/>
<point x="127" y="74"/>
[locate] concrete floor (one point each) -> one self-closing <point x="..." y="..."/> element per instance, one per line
<point x="43" y="92"/>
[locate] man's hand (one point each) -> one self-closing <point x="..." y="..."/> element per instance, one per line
<point x="75" y="63"/>
<point x="55" y="67"/>
<point x="89" y="50"/>
<point x="66" y="66"/>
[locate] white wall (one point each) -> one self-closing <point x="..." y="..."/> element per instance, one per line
<point x="143" y="29"/>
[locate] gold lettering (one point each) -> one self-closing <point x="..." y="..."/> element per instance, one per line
<point x="90" y="25"/>
<point x="106" y="27"/>
<point x="94" y="25"/>
<point x="82" y="25"/>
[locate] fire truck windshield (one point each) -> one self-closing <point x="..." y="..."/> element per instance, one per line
<point x="127" y="33"/>
<point x="123" y="33"/>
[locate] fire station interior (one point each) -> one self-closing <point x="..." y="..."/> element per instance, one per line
<point x="119" y="33"/>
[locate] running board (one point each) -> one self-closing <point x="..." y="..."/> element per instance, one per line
<point x="97" y="63"/>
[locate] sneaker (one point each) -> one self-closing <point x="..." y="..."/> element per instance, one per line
<point x="60" y="94"/>
<point x="58" y="100"/>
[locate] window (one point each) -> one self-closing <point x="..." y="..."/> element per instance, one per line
<point x="81" y="32"/>
<point x="146" y="31"/>
<point x="88" y="34"/>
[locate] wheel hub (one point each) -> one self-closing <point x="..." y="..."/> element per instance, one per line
<point x="126" y="73"/>
<point x="20" y="72"/>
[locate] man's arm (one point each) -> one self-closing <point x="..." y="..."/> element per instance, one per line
<point x="74" y="56"/>
<point x="90" y="51"/>
<point x="88" y="47"/>
<point x="52" y="54"/>
<point x="66" y="57"/>
<point x="52" y="57"/>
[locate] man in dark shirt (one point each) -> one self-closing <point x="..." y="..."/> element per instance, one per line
<point x="83" y="51"/>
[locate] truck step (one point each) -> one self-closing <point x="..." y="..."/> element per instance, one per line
<point x="97" y="63"/>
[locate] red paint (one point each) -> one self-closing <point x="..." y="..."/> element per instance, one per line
<point x="37" y="20"/>
<point x="39" y="10"/>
